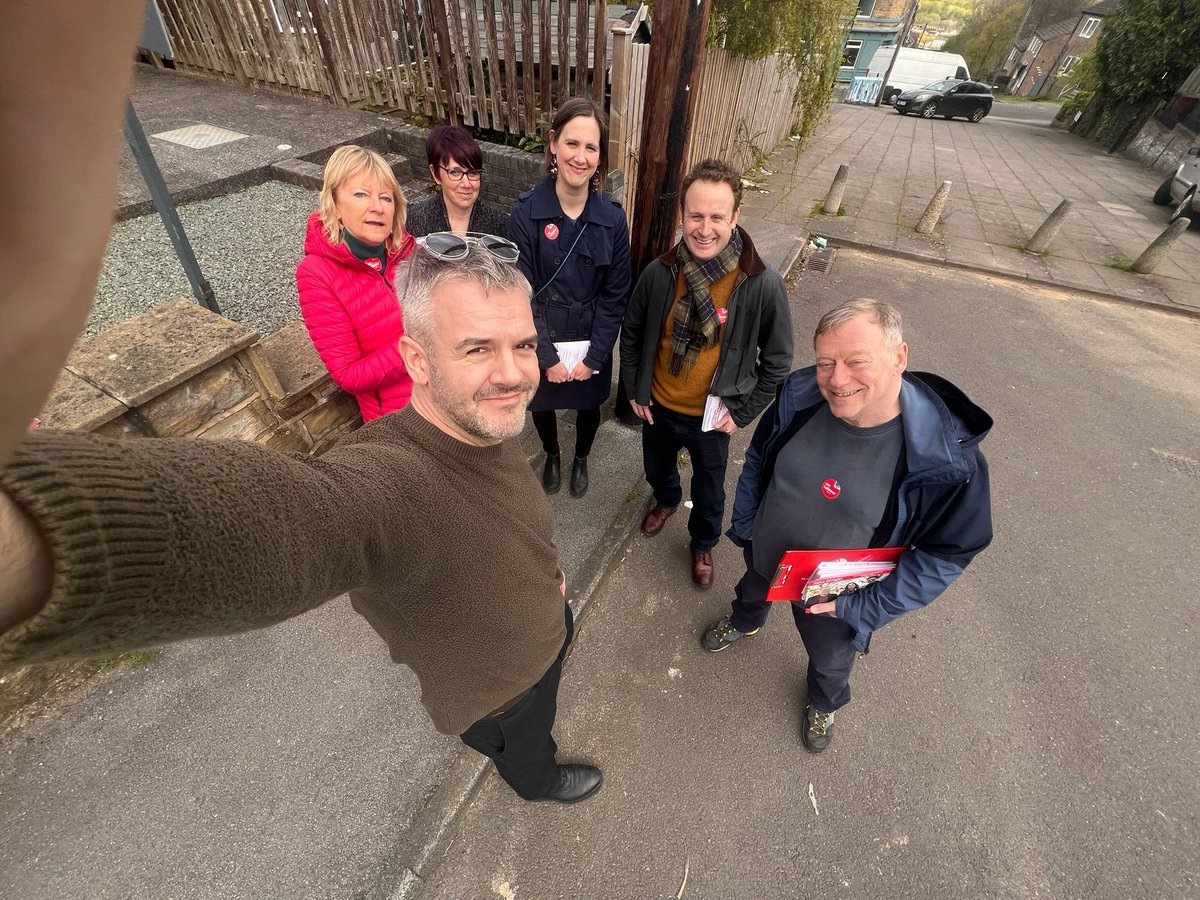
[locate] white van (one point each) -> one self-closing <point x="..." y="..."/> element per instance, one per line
<point x="914" y="69"/>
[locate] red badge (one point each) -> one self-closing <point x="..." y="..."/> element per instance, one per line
<point x="722" y="315"/>
<point x="830" y="489"/>
<point x="374" y="263"/>
<point x="551" y="232"/>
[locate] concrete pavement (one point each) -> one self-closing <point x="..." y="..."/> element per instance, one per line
<point x="1007" y="177"/>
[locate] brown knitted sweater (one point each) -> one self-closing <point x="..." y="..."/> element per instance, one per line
<point x="445" y="548"/>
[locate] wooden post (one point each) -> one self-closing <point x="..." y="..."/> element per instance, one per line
<point x="676" y="46"/>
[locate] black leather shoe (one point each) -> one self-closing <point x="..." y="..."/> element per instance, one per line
<point x="552" y="474"/>
<point x="579" y="477"/>
<point x="575" y="782"/>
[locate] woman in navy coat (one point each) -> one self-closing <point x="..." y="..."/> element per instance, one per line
<point x="574" y="246"/>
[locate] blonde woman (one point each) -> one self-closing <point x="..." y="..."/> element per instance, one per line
<point x="346" y="280"/>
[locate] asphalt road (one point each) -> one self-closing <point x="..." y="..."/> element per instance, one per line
<point x="1041" y="113"/>
<point x="1032" y="734"/>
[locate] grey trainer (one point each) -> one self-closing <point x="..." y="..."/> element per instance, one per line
<point x="721" y="634"/>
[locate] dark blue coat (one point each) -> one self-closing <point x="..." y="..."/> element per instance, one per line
<point x="586" y="301"/>
<point x="940" y="506"/>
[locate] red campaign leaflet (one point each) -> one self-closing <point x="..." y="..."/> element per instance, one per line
<point x="816" y="576"/>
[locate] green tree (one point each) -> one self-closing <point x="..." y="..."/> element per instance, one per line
<point x="810" y="33"/>
<point x="1146" y="50"/>
<point x="987" y="34"/>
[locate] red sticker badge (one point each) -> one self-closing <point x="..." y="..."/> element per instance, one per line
<point x="830" y="489"/>
<point x="722" y="315"/>
<point x="374" y="263"/>
<point x="551" y="232"/>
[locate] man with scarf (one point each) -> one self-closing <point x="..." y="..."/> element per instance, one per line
<point x="707" y="339"/>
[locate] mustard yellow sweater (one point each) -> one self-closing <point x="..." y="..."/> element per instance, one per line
<point x="445" y="548"/>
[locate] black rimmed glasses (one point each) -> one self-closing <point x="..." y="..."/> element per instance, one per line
<point x="460" y="174"/>
<point x="450" y="247"/>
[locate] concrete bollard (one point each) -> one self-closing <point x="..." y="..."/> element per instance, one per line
<point x="833" y="200"/>
<point x="933" y="211"/>
<point x="1150" y="257"/>
<point x="1048" y="230"/>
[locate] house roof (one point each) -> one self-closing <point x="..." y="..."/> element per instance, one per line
<point x="1103" y="8"/>
<point x="1058" y="29"/>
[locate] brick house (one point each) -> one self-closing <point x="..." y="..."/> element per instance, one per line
<point x="1032" y="66"/>
<point x="877" y="23"/>
<point x="1082" y="40"/>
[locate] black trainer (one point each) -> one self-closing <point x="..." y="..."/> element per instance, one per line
<point x="721" y="634"/>
<point x="816" y="731"/>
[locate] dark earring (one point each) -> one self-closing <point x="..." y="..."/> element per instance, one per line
<point x="554" y="165"/>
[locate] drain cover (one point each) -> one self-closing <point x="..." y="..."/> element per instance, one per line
<point x="200" y="137"/>
<point x="817" y="259"/>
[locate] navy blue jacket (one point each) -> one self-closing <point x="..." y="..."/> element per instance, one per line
<point x="940" y="506"/>
<point x="586" y="301"/>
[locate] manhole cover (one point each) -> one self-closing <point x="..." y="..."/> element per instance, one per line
<point x="200" y="137"/>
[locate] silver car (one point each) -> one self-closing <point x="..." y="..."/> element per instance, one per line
<point x="1181" y="190"/>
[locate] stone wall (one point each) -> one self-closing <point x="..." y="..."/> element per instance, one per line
<point x="180" y="370"/>
<point x="1161" y="148"/>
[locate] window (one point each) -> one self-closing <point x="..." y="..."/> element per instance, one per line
<point x="1067" y="64"/>
<point x="865" y="8"/>
<point x="1011" y="57"/>
<point x="1089" y="27"/>
<point x="850" y="54"/>
<point x="1035" y="45"/>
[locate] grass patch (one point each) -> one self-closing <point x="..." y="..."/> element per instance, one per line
<point x="133" y="658"/>
<point x="1120" y="261"/>
<point x="819" y="209"/>
<point x="1020" y="248"/>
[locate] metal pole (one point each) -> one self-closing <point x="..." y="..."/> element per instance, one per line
<point x="135" y="136"/>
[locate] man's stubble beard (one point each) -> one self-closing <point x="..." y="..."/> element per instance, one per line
<point x="466" y="416"/>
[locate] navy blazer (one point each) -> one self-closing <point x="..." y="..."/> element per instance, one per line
<point x="586" y="301"/>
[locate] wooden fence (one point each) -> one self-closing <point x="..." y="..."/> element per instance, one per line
<point x="744" y="108"/>
<point x="499" y="64"/>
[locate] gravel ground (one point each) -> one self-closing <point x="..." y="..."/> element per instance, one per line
<point x="248" y="245"/>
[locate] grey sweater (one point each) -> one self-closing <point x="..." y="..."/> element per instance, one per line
<point x="445" y="548"/>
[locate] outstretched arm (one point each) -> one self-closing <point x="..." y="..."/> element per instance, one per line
<point x="60" y="133"/>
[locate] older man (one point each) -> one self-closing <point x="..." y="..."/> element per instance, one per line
<point x="430" y="517"/>
<point x="855" y="452"/>
<point x="707" y="319"/>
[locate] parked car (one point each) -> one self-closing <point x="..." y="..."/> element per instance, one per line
<point x="1183" y="188"/>
<point x="948" y="98"/>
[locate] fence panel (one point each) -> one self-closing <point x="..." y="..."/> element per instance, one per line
<point x="493" y="63"/>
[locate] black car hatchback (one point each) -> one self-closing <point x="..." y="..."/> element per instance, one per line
<point x="948" y="98"/>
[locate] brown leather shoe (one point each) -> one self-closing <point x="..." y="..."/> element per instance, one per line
<point x="656" y="519"/>
<point x="702" y="568"/>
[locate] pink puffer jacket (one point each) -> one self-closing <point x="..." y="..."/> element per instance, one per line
<point x="353" y="318"/>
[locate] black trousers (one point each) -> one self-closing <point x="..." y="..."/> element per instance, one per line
<point x="829" y="642"/>
<point x="709" y="453"/>
<point x="518" y="740"/>
<point x="587" y="423"/>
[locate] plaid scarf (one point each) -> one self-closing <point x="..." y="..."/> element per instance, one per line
<point x="695" y="323"/>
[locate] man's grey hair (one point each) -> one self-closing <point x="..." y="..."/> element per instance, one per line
<point x="886" y="315"/>
<point x="424" y="274"/>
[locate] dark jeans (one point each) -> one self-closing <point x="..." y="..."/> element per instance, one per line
<point x="587" y="423"/>
<point x="709" y="452"/>
<point x="518" y="740"/>
<point x="829" y="642"/>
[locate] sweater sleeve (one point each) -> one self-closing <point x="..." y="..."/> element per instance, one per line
<point x="335" y="336"/>
<point x="157" y="540"/>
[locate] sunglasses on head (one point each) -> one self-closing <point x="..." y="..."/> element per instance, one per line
<point x="450" y="247"/>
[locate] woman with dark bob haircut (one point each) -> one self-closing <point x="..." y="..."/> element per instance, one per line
<point x="574" y="245"/>
<point x="456" y="164"/>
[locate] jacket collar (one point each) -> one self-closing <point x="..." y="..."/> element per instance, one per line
<point x="938" y="421"/>
<point x="544" y="204"/>
<point x="749" y="263"/>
